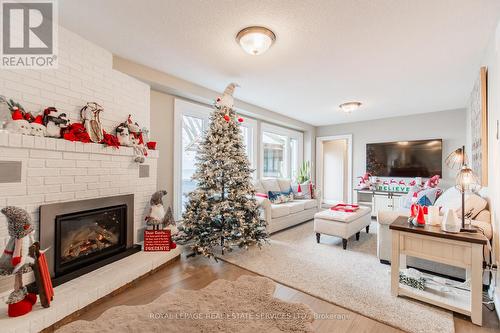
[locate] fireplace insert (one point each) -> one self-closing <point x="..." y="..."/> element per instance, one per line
<point x="88" y="236"/>
<point x="81" y="236"/>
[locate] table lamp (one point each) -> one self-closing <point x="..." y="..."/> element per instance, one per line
<point x="466" y="179"/>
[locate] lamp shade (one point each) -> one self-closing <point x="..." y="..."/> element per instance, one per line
<point x="457" y="158"/>
<point x="467" y="180"/>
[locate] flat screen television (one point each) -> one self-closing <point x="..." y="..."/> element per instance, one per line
<point x="422" y="158"/>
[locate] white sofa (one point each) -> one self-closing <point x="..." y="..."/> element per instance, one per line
<point x="282" y="216"/>
<point x="450" y="198"/>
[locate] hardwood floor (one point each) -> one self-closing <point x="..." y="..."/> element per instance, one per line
<point x="196" y="273"/>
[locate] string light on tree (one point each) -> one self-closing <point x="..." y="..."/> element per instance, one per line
<point x="222" y="212"/>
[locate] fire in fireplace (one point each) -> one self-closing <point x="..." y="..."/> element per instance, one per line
<point x="82" y="236"/>
<point x="85" y="236"/>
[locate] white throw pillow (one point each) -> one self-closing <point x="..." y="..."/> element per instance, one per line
<point x="271" y="185"/>
<point x="452" y="199"/>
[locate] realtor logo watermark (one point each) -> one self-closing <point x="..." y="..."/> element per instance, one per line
<point x="29" y="34"/>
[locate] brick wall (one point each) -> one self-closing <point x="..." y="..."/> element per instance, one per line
<point x="59" y="170"/>
<point x="84" y="74"/>
<point x="56" y="170"/>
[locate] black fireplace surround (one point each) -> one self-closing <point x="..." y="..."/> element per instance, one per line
<point x="82" y="236"/>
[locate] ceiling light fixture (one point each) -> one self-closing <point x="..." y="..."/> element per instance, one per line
<point x="255" y="40"/>
<point x="349" y="106"/>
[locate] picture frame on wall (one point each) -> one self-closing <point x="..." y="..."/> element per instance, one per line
<point x="478" y="110"/>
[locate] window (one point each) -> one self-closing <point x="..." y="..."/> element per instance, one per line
<point x="191" y="120"/>
<point x="282" y="151"/>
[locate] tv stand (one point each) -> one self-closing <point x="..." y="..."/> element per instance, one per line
<point x="378" y="200"/>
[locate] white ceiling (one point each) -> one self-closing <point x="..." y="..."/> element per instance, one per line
<point x="396" y="56"/>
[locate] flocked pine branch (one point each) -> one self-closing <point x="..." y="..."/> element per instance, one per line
<point x="222" y="213"/>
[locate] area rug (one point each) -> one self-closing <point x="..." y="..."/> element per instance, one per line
<point x="352" y="278"/>
<point x="244" y="305"/>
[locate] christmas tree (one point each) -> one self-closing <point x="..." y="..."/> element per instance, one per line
<point x="222" y="212"/>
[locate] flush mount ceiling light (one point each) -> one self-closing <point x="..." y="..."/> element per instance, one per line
<point x="349" y="106"/>
<point x="255" y="40"/>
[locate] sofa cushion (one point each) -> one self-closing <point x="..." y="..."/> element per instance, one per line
<point x="270" y="185"/>
<point x="339" y="216"/>
<point x="258" y="186"/>
<point x="284" y="184"/>
<point x="295" y="206"/>
<point x="474" y="204"/>
<point x="279" y="211"/>
<point x="484" y="216"/>
<point x="484" y="226"/>
<point x="310" y="203"/>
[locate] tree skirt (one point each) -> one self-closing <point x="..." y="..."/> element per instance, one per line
<point x="352" y="278"/>
<point x="244" y="305"/>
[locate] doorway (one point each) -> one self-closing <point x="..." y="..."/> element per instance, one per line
<point x="334" y="168"/>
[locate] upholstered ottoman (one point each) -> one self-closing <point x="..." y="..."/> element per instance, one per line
<point x="342" y="224"/>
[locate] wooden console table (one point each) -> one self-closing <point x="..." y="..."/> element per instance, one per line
<point x="431" y="243"/>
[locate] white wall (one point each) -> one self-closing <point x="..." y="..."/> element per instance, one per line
<point x="84" y="74"/>
<point x="174" y="86"/>
<point x="334" y="185"/>
<point x="446" y="125"/>
<point x="162" y="131"/>
<point x="492" y="61"/>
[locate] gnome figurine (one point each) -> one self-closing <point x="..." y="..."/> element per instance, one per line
<point x="15" y="259"/>
<point x="227" y="100"/>
<point x="157" y="215"/>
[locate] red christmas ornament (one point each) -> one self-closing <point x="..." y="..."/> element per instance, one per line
<point x="226" y="118"/>
<point x="218" y="99"/>
<point x="240" y="120"/>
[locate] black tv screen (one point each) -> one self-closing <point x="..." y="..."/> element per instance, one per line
<point x="422" y="158"/>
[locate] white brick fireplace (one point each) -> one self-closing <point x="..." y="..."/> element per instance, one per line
<point x="56" y="170"/>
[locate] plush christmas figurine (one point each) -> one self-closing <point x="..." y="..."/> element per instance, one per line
<point x="18" y="124"/>
<point x="364" y="182"/>
<point x="432" y="182"/>
<point x="29" y="117"/>
<point x="91" y="118"/>
<point x="157" y="215"/>
<point x="123" y="134"/>
<point x="421" y="216"/>
<point x="15" y="259"/>
<point x="54" y="122"/>
<point x="37" y="127"/>
<point x="227" y="99"/>
<point x="136" y="140"/>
